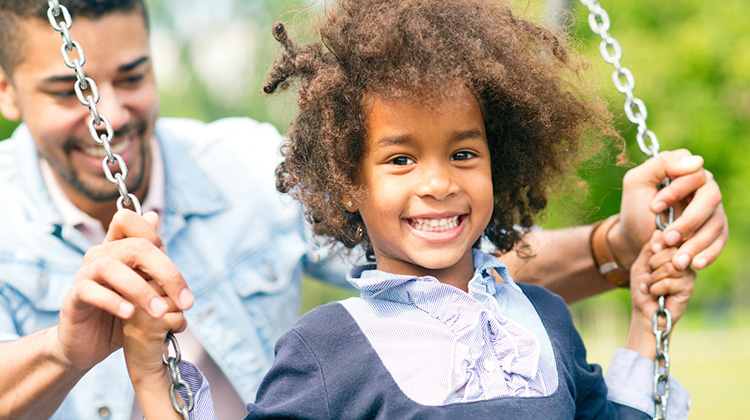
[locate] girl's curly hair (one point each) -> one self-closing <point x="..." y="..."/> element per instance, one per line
<point x="536" y="106"/>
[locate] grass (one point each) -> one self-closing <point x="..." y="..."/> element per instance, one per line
<point x="710" y="357"/>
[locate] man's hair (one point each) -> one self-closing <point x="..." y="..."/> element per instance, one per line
<point x="14" y="12"/>
<point x="537" y="108"/>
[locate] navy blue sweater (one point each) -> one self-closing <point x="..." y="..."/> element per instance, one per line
<point x="325" y="368"/>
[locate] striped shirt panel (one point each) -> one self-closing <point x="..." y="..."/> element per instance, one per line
<point x="444" y="346"/>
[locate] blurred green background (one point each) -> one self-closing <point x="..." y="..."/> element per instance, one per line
<point x="691" y="61"/>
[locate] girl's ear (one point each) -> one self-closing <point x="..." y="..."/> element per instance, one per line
<point x="350" y="204"/>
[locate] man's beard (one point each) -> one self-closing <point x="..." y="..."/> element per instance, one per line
<point x="103" y="195"/>
<point x="100" y="195"/>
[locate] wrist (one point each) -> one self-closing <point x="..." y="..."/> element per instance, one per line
<point x="53" y="351"/>
<point x="623" y="250"/>
<point x="605" y="259"/>
<point x="640" y="337"/>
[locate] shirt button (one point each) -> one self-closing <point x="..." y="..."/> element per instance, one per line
<point x="490" y="366"/>
<point x="104" y="412"/>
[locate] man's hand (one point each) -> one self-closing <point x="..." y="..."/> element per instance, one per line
<point x="111" y="283"/>
<point x="701" y="230"/>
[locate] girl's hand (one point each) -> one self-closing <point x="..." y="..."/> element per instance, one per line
<point x="143" y="343"/>
<point x="652" y="275"/>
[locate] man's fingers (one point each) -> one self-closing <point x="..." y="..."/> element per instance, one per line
<point x="128" y="224"/>
<point x="141" y="256"/>
<point x="705" y="203"/>
<point x="90" y="292"/>
<point x="680" y="162"/>
<point x="706" y="245"/>
<point x="678" y="190"/>
<point x="152" y="218"/>
<point x="671" y="164"/>
<point x="108" y="273"/>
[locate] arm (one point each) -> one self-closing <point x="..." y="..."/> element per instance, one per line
<point x="563" y="261"/>
<point x="629" y="380"/>
<point x="143" y="344"/>
<point x="40" y="369"/>
<point x="35" y="377"/>
<point x="631" y="374"/>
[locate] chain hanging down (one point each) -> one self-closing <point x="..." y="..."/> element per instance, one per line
<point x="126" y="199"/>
<point x="636" y="112"/>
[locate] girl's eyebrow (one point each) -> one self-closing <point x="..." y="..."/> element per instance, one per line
<point x="407" y="138"/>
<point x="467" y="134"/>
<point x="395" y="140"/>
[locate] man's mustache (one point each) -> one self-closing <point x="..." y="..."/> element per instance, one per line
<point x="139" y="127"/>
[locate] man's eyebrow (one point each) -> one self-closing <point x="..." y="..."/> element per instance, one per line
<point x="60" y="79"/>
<point x="130" y="66"/>
<point x="72" y="78"/>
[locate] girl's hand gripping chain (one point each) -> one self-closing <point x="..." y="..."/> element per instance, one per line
<point x="653" y="274"/>
<point x="143" y="341"/>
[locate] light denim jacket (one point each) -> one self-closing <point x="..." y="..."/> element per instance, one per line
<point x="238" y="245"/>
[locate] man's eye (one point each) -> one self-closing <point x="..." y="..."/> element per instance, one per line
<point x="64" y="95"/>
<point x="463" y="155"/>
<point x="401" y="160"/>
<point x="134" y="79"/>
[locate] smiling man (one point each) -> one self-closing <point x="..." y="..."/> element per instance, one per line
<point x="39" y="88"/>
<point x="203" y="181"/>
<point x="228" y="235"/>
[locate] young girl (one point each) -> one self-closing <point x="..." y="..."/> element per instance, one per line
<point x="425" y="127"/>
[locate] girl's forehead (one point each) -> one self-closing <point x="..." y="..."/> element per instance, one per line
<point x="454" y="96"/>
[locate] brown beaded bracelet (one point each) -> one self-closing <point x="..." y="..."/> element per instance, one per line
<point x="604" y="259"/>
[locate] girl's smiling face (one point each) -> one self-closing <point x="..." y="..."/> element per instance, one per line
<point x="428" y="185"/>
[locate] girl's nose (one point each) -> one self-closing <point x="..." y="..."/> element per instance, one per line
<point x="436" y="182"/>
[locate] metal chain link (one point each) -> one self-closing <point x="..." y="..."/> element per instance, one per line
<point x="172" y="364"/>
<point x="636" y="112"/>
<point x="97" y="122"/>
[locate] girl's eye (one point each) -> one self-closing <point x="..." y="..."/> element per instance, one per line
<point x="401" y="160"/>
<point x="463" y="155"/>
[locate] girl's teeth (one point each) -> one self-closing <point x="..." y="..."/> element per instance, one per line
<point x="435" y="225"/>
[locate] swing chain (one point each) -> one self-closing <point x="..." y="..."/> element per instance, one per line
<point x="622" y="77"/>
<point x="172" y="363"/>
<point x="636" y="112"/>
<point x="96" y="121"/>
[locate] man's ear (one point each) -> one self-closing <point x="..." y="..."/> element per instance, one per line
<point x="8" y="98"/>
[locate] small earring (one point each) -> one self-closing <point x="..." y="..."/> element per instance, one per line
<point x="360" y="233"/>
<point x="349" y="204"/>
